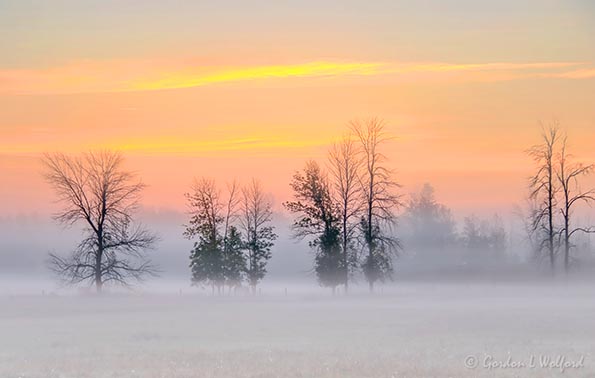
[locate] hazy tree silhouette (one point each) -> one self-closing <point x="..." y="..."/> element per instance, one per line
<point x="534" y="238"/>
<point x="206" y="259"/>
<point x="255" y="219"/>
<point x="429" y="224"/>
<point x="543" y="189"/>
<point x="379" y="202"/>
<point x="345" y="162"/>
<point x="484" y="236"/>
<point x="568" y="174"/>
<point x="319" y="221"/>
<point x="97" y="192"/>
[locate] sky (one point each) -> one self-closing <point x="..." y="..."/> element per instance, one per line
<point x="254" y="89"/>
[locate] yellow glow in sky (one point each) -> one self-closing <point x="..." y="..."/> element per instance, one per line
<point x="198" y="88"/>
<point x="139" y="75"/>
<point x="313" y="69"/>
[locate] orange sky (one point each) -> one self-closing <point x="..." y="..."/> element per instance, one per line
<point x="254" y="89"/>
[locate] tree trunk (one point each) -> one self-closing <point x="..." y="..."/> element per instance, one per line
<point x="98" y="258"/>
<point x="345" y="257"/>
<point x="566" y="243"/>
<point x="370" y="241"/>
<point x="98" y="284"/>
<point x="551" y="216"/>
<point x="98" y="278"/>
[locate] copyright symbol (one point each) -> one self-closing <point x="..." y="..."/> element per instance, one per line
<point x="470" y="362"/>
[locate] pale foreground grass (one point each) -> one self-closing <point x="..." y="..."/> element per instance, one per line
<point x="413" y="331"/>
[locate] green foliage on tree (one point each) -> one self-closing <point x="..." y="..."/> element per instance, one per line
<point x="318" y="219"/>
<point x="206" y="258"/>
<point x="233" y="259"/>
<point x="223" y="255"/>
<point x="206" y="263"/>
<point x="259" y="246"/>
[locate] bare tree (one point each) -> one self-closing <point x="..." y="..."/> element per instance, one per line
<point x="568" y="174"/>
<point x="255" y="219"/>
<point x="344" y="167"/>
<point x="543" y="189"/>
<point x="380" y="201"/>
<point x="96" y="191"/>
<point x="234" y="261"/>
<point x="231" y="206"/>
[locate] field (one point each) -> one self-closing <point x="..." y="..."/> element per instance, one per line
<point x="412" y="330"/>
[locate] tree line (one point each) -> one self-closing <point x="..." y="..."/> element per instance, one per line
<point x="345" y="208"/>
<point x="430" y="230"/>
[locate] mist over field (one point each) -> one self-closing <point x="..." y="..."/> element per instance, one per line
<point x="451" y="309"/>
<point x="413" y="330"/>
<point x="437" y="319"/>
<point x="24" y="259"/>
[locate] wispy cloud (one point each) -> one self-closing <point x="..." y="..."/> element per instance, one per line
<point x="578" y="74"/>
<point x="187" y="79"/>
<point x="452" y="67"/>
<point x="123" y="76"/>
<point x="180" y="146"/>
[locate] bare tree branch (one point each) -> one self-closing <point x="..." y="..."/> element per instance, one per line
<point x="94" y="189"/>
<point x="380" y="199"/>
<point x="568" y="175"/>
<point x="543" y="188"/>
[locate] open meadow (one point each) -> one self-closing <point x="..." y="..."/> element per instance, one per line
<point x="412" y="330"/>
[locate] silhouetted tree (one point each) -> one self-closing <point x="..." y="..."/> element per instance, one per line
<point x="568" y="174"/>
<point x="96" y="191"/>
<point x="543" y="190"/>
<point x="379" y="202"/>
<point x="319" y="221"/>
<point x="234" y="259"/>
<point x="344" y="167"/>
<point x="231" y="207"/>
<point x="255" y="219"/>
<point x="207" y="218"/>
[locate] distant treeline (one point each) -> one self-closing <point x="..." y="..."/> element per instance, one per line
<point x="345" y="208"/>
